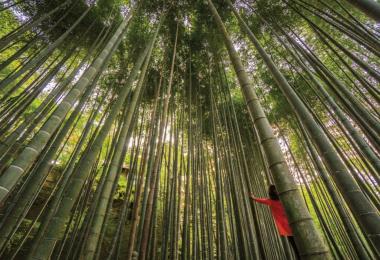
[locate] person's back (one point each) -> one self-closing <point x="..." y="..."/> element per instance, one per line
<point x="279" y="215"/>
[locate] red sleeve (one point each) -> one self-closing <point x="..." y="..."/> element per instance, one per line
<point x="263" y="201"/>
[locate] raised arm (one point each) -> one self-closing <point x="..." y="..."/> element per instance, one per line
<point x="261" y="200"/>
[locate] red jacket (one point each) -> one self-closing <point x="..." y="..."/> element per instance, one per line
<point x="279" y="216"/>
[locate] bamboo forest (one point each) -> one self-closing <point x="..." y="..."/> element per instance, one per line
<point x="189" y="129"/>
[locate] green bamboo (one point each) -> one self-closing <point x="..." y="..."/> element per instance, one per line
<point x="307" y="237"/>
<point x="92" y="240"/>
<point x="15" y="171"/>
<point x="362" y="208"/>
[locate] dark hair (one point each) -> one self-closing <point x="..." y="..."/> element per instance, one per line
<point x="273" y="194"/>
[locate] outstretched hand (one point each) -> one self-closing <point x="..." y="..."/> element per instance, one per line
<point x="252" y="196"/>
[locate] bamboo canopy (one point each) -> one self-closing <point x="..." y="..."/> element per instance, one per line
<point x="135" y="129"/>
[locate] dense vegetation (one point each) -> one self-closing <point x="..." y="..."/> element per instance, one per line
<point x="138" y="129"/>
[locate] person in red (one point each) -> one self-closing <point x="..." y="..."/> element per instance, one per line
<point x="279" y="215"/>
